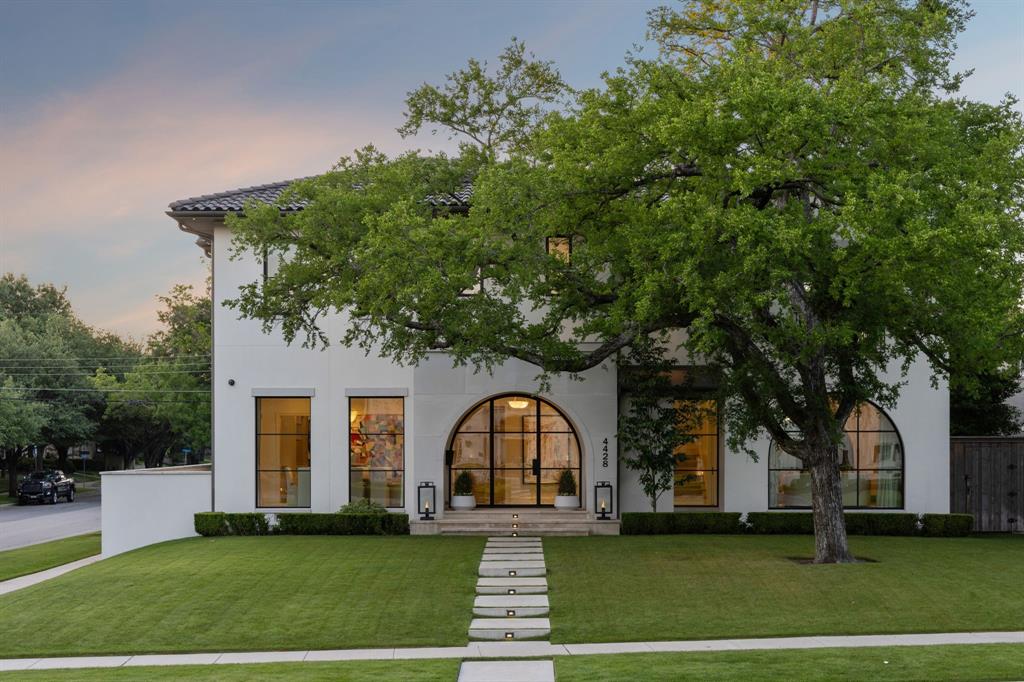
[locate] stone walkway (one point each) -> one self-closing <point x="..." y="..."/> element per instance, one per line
<point x="513" y="650"/>
<point x="511" y="605"/>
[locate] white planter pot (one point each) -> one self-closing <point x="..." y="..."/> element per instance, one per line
<point x="567" y="501"/>
<point x="463" y="502"/>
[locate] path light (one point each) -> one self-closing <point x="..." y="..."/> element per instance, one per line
<point x="426" y="496"/>
<point x="510" y="635"/>
<point x="512" y="574"/>
<point x="603" y="500"/>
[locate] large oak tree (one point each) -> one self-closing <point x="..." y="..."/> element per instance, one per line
<point x="793" y="182"/>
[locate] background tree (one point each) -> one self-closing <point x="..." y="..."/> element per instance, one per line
<point x="792" y="182"/>
<point x="981" y="409"/>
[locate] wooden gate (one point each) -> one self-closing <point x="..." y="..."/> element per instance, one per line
<point x="987" y="480"/>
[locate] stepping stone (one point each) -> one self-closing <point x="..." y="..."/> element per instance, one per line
<point x="509" y="628"/>
<point x="511" y="569"/>
<point x="537" y="556"/>
<point x="519" y="585"/>
<point x="511" y="606"/>
<point x="493" y="671"/>
<point x="513" y="550"/>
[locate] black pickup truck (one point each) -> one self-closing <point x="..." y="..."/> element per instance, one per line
<point x="46" y="486"/>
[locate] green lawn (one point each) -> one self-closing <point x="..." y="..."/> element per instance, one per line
<point x="17" y="562"/>
<point x="253" y="593"/>
<point x="938" y="663"/>
<point x="346" y="671"/>
<point x="957" y="662"/>
<point x="636" y="588"/>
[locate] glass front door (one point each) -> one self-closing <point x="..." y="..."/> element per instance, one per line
<point x="515" y="447"/>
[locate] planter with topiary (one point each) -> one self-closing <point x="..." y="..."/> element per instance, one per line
<point x="462" y="492"/>
<point x="567" y="497"/>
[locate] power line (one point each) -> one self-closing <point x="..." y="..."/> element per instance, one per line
<point x="90" y="374"/>
<point x="113" y="368"/>
<point x="111" y="357"/>
<point x="136" y="401"/>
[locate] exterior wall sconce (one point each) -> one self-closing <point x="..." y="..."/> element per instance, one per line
<point x="426" y="496"/>
<point x="603" y="500"/>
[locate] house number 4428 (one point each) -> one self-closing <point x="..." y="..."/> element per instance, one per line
<point x="604" y="453"/>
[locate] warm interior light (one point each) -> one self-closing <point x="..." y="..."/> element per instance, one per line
<point x="353" y="417"/>
<point x="602" y="505"/>
<point x="426" y="504"/>
<point x="518" y="403"/>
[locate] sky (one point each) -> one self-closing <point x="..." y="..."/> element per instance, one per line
<point x="111" y="110"/>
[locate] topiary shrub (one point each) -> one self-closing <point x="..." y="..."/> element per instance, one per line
<point x="946" y="525"/>
<point x="566" y="483"/>
<point x="250" y="523"/>
<point x="670" y="523"/>
<point x="463" y="484"/>
<point x="211" y="524"/>
<point x="363" y="506"/>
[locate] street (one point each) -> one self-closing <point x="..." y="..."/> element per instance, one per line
<point x="32" y="524"/>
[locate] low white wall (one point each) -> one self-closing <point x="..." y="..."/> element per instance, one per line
<point x="145" y="506"/>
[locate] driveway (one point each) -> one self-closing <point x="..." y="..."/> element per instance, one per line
<point x="32" y="524"/>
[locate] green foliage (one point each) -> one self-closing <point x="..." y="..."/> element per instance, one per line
<point x="247" y="523"/>
<point x="566" y="483"/>
<point x="363" y="506"/>
<point x="982" y="410"/>
<point x="802" y="192"/>
<point x="463" y="483"/>
<point x="946" y="525"/>
<point x="780" y="523"/>
<point x="667" y="523"/>
<point x="211" y="524"/>
<point x="882" y="523"/>
<point x="343" y="524"/>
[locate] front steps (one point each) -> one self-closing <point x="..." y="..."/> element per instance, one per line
<point x="518" y="522"/>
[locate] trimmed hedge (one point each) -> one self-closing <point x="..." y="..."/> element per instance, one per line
<point x="343" y="524"/>
<point x="668" y="523"/>
<point x="209" y="524"/>
<point x="863" y="523"/>
<point x="255" y="523"/>
<point x="780" y="523"/>
<point x="946" y="525"/>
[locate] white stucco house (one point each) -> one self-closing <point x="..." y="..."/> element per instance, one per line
<point x="310" y="430"/>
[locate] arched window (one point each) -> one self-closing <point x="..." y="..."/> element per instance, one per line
<point x="871" y="463"/>
<point x="515" y="447"/>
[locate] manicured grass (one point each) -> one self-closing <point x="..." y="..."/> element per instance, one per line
<point x="252" y="593"/>
<point x="17" y="562"/>
<point x="954" y="662"/>
<point x="636" y="588"/>
<point x="347" y="671"/>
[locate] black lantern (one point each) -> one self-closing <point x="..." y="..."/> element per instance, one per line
<point x="603" y="500"/>
<point x="426" y="496"/>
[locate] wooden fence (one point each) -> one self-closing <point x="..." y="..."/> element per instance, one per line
<point x="987" y="480"/>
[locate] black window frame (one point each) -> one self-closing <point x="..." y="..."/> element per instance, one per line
<point x="348" y="419"/>
<point x="309" y="449"/>
<point x="902" y="469"/>
<point x="718" y="458"/>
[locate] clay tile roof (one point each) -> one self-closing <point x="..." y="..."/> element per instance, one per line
<point x="234" y="200"/>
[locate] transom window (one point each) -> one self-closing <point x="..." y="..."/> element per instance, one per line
<point x="282" y="452"/>
<point x="377" y="450"/>
<point x="696" y="475"/>
<point x="871" y="463"/>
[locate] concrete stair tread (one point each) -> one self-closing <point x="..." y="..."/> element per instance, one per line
<point x="510" y="623"/>
<point x="511" y="600"/>
<point x="512" y="582"/>
<point x="520" y="671"/>
<point x="506" y="558"/>
<point x="527" y="549"/>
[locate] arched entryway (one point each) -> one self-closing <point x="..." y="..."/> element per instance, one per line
<point x="515" y="446"/>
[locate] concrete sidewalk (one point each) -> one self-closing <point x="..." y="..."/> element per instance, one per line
<point x="483" y="650"/>
<point x="24" y="581"/>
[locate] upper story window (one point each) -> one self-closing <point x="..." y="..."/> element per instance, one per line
<point x="696" y="482"/>
<point x="282" y="452"/>
<point x="871" y="466"/>
<point x="560" y="247"/>
<point x="377" y="450"/>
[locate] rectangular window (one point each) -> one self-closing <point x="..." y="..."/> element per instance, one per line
<point x="282" y="452"/>
<point x="560" y="247"/>
<point x="377" y="450"/>
<point x="696" y="481"/>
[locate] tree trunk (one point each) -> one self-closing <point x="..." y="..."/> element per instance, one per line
<point x="62" y="458"/>
<point x="13" y="455"/>
<point x="830" y="545"/>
